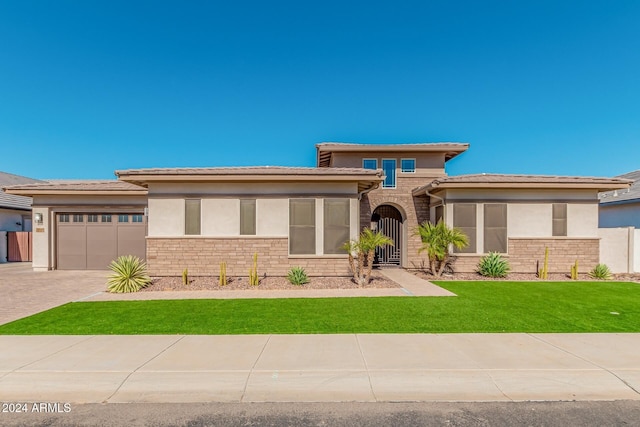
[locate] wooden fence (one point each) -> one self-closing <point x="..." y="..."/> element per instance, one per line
<point x="20" y="246"/>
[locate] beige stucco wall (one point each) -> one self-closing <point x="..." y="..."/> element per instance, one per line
<point x="636" y="251"/>
<point x="166" y="217"/>
<point x="529" y="220"/>
<point x="272" y="217"/>
<point x="522" y="195"/>
<point x="220" y="217"/>
<point x="617" y="248"/>
<point x="582" y="220"/>
<point x="255" y="189"/>
<point x="42" y="240"/>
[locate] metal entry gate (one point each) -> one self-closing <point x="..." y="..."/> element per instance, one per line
<point x="390" y="255"/>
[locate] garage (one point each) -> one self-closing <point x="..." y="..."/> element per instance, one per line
<point x="90" y="241"/>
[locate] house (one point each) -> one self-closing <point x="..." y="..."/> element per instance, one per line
<point x="622" y="208"/>
<point x="196" y="218"/>
<point x="15" y="211"/>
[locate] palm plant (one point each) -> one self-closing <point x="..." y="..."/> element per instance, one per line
<point x="364" y="249"/>
<point x="129" y="275"/>
<point x="436" y="240"/>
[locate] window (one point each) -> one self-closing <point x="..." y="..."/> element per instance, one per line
<point x="248" y="217"/>
<point x="92" y="218"/>
<point x="464" y="217"/>
<point x="408" y="165"/>
<point x="302" y="226"/>
<point x="192" y="216"/>
<point x="559" y="219"/>
<point x="370" y="163"/>
<point x="78" y="218"/>
<point x="136" y="218"/>
<point x="336" y="225"/>
<point x="495" y="227"/>
<point x="106" y="217"/>
<point x="439" y="214"/>
<point x="63" y="218"/>
<point x="389" y="168"/>
<point x="123" y="218"/>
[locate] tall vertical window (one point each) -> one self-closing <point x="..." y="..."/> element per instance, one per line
<point x="370" y="163"/>
<point x="336" y="225"/>
<point x="302" y="226"/>
<point x="248" y="217"/>
<point x="192" y="216"/>
<point x="389" y="168"/>
<point x="495" y="227"/>
<point x="439" y="214"/>
<point x="464" y="217"/>
<point x="408" y="165"/>
<point x="559" y="219"/>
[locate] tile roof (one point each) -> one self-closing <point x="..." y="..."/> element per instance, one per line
<point x="73" y="186"/>
<point x="630" y="194"/>
<point x="530" y="181"/>
<point x="250" y="170"/>
<point x="13" y="201"/>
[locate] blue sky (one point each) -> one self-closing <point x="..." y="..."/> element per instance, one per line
<point x="546" y="87"/>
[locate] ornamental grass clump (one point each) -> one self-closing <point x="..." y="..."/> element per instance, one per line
<point x="297" y="276"/>
<point x="600" y="271"/>
<point x="129" y="275"/>
<point x="493" y="265"/>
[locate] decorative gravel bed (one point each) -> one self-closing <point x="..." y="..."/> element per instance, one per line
<point x="529" y="277"/>
<point x="266" y="283"/>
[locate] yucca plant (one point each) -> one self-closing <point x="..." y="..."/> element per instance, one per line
<point x="297" y="276"/>
<point x="600" y="271"/>
<point x="493" y="265"/>
<point x="129" y="275"/>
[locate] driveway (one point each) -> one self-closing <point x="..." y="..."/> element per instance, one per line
<point x="25" y="292"/>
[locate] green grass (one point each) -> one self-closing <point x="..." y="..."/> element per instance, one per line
<point x="479" y="307"/>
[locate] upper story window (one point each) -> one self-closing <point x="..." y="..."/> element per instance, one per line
<point x="370" y="163"/>
<point x="408" y="165"/>
<point x="389" y="168"/>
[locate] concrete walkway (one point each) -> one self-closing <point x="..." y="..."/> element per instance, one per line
<point x="283" y="368"/>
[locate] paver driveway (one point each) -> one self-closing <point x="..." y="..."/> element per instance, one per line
<point x="24" y="292"/>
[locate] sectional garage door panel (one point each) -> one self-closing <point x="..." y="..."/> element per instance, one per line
<point x="92" y="241"/>
<point x="72" y="247"/>
<point x="101" y="246"/>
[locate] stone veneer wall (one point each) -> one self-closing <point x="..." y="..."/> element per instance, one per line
<point x="202" y="256"/>
<point x="416" y="210"/>
<point x="524" y="252"/>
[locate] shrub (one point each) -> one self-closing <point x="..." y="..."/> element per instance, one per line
<point x="436" y="240"/>
<point x="493" y="265"/>
<point x="600" y="271"/>
<point x="129" y="275"/>
<point x="297" y="276"/>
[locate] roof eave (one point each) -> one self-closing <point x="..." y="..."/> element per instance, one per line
<point x="600" y="187"/>
<point x="42" y="192"/>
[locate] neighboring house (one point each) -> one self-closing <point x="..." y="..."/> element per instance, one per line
<point x="200" y="217"/>
<point x="15" y="211"/>
<point x="621" y="208"/>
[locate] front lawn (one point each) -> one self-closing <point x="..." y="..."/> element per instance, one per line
<point x="479" y="307"/>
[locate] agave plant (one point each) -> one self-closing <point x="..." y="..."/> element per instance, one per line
<point x="493" y="265"/>
<point x="600" y="271"/>
<point x="129" y="275"/>
<point x="297" y="276"/>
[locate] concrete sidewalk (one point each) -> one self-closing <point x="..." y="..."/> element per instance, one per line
<point x="282" y="368"/>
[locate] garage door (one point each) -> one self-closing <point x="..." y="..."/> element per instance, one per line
<point x="91" y="241"/>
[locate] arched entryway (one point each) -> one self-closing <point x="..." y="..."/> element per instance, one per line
<point x="388" y="219"/>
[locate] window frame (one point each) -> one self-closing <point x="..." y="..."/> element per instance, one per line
<point x="487" y="230"/>
<point x="473" y="237"/>
<point x="402" y="169"/>
<point x="375" y="160"/>
<point x="296" y="227"/>
<point x="197" y="227"/>
<point x="333" y="227"/>
<point x="395" y="173"/>
<point x="562" y="220"/>
<point x="253" y="231"/>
